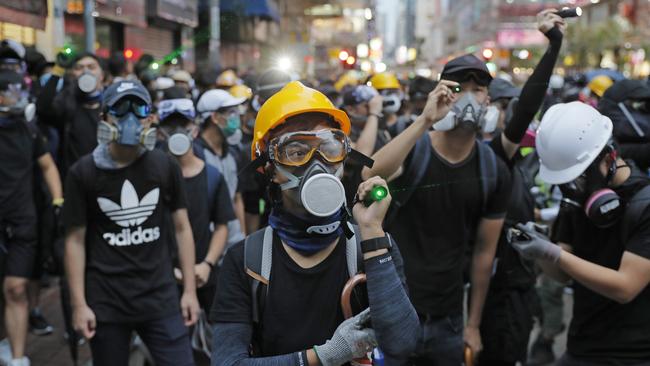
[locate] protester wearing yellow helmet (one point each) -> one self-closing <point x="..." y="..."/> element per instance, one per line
<point x="301" y="142"/>
<point x="597" y="87"/>
<point x="227" y="79"/>
<point x="389" y="88"/>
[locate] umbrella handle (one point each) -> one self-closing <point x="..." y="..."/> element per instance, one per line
<point x="347" y="293"/>
<point x="469" y="356"/>
<point x="347" y="307"/>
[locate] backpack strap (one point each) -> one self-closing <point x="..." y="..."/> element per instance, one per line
<point x="213" y="176"/>
<point x="414" y="174"/>
<point x="635" y="208"/>
<point x="353" y="252"/>
<point x="258" y="252"/>
<point x="488" y="172"/>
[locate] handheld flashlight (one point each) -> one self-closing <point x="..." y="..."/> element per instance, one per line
<point x="456" y="89"/>
<point x="570" y="13"/>
<point x="377" y="193"/>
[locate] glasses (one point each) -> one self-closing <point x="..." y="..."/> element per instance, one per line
<point x="184" y="107"/>
<point x="297" y="148"/>
<point x="123" y="106"/>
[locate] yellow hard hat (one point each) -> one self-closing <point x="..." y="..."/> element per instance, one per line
<point x="345" y="79"/>
<point x="227" y="78"/>
<point x="600" y="84"/>
<point x="241" y="91"/>
<point x="384" y="80"/>
<point x="293" y="99"/>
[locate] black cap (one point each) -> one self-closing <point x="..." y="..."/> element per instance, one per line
<point x="465" y="63"/>
<point x="36" y="62"/>
<point x="9" y="77"/>
<point x="125" y="88"/>
<point x="420" y="87"/>
<point x="502" y="89"/>
<point x="358" y="94"/>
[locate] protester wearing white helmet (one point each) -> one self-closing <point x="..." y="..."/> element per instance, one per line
<point x="219" y="113"/>
<point x="603" y="231"/>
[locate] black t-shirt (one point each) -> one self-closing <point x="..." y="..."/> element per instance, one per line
<point x="602" y="329"/>
<point x="129" y="274"/>
<point x="438" y="223"/>
<point x="204" y="214"/>
<point x="302" y="307"/>
<point x="20" y="146"/>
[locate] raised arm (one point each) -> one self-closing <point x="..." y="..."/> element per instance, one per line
<point x="534" y="91"/>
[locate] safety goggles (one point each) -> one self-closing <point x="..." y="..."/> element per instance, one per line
<point x="123" y="106"/>
<point x="182" y="106"/>
<point x="480" y="78"/>
<point x="297" y="148"/>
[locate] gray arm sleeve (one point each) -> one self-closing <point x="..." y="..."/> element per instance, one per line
<point x="393" y="316"/>
<point x="230" y="342"/>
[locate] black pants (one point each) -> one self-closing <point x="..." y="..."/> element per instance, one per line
<point x="167" y="339"/>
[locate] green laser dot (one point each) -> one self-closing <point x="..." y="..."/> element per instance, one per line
<point x="68" y="51"/>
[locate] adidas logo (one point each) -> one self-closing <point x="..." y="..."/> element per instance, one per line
<point x="131" y="212"/>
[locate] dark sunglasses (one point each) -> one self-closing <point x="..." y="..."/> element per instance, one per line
<point x="124" y="106"/>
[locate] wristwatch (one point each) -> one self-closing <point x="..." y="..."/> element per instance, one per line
<point x="373" y="244"/>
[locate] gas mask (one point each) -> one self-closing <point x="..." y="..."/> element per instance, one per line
<point x="318" y="189"/>
<point x="21" y="107"/>
<point x="128" y="130"/>
<point x="179" y="141"/>
<point x="392" y="103"/>
<point x="467" y="112"/>
<point x="590" y="193"/>
<point x="87" y="88"/>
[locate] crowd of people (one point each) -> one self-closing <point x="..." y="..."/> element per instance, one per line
<point x="267" y="220"/>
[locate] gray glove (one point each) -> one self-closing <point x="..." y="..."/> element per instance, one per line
<point x="537" y="247"/>
<point x="350" y="341"/>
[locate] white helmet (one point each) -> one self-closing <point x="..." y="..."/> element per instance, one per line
<point x="569" y="139"/>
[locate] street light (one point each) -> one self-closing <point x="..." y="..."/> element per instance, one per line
<point x="343" y="55"/>
<point x="284" y="63"/>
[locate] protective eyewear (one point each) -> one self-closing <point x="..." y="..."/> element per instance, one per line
<point x="184" y="107"/>
<point x="123" y="106"/>
<point x="297" y="148"/>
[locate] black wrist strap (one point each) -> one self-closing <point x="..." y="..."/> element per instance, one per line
<point x="373" y="244"/>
